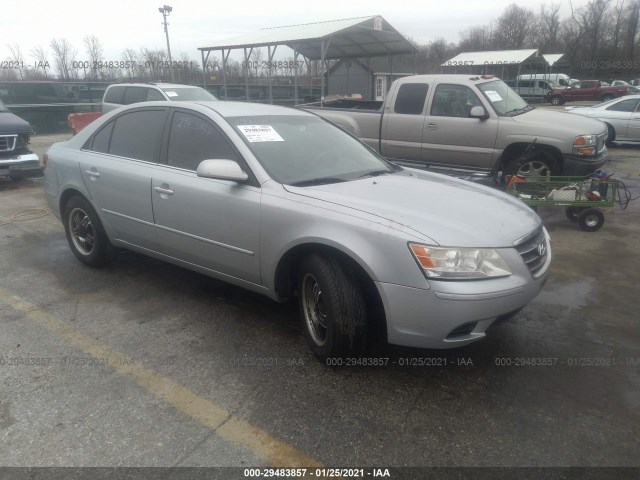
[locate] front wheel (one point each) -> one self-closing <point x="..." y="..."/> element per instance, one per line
<point x="533" y="164"/>
<point x="606" y="98"/>
<point x="85" y="234"/>
<point x="611" y="135"/>
<point x="590" y="219"/>
<point x="555" y="100"/>
<point x="332" y="308"/>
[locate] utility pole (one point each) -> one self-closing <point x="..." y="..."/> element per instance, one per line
<point x="166" y="10"/>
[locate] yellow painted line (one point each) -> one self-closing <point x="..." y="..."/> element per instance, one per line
<point x="227" y="426"/>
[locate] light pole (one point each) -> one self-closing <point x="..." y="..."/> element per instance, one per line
<point x="166" y="10"/>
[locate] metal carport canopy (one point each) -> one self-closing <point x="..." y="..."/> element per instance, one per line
<point x="348" y="38"/>
<point x="496" y="57"/>
<point x="352" y="37"/>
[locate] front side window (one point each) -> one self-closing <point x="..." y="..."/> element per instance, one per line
<point x="192" y="139"/>
<point x="138" y="134"/>
<point x="453" y="101"/>
<point x="410" y="98"/>
<point x="135" y="95"/>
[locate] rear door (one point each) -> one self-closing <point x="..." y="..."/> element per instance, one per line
<point x="624" y="118"/>
<point x="403" y="122"/>
<point x="117" y="168"/>
<point x="214" y="224"/>
<point x="451" y="136"/>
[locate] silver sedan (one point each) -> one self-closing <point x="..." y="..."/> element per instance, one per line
<point x="282" y="202"/>
<point x="621" y="115"/>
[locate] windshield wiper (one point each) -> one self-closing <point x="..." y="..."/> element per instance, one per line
<point x="517" y="111"/>
<point x="375" y="173"/>
<point x="317" y="181"/>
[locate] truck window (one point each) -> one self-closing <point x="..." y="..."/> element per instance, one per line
<point x="410" y="98"/>
<point x="453" y="101"/>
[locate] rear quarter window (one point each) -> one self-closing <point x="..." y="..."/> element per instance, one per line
<point x="114" y="95"/>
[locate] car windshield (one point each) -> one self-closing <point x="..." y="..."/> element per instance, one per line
<point x="503" y="99"/>
<point x="2" y="107"/>
<point x="303" y="150"/>
<point x="189" y="94"/>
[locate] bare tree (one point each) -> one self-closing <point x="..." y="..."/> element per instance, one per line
<point x="514" y="28"/>
<point x="548" y="28"/>
<point x="17" y="58"/>
<point x="476" y="39"/>
<point x="42" y="60"/>
<point x="132" y="63"/>
<point x="94" y="49"/>
<point x="632" y="28"/>
<point x="64" y="56"/>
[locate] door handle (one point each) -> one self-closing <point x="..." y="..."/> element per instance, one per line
<point x="164" y="191"/>
<point x="432" y="126"/>
<point x="92" y="173"/>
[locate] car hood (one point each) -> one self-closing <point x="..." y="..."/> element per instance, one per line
<point x="448" y="211"/>
<point x="10" y="123"/>
<point x="544" y="117"/>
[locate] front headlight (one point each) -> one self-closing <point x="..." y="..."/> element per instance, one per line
<point x="459" y="263"/>
<point x="585" y="144"/>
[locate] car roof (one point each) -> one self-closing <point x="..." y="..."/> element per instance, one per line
<point x="224" y="108"/>
<point x="154" y="84"/>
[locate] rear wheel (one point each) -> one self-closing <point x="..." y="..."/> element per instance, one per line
<point x="606" y="98"/>
<point x="85" y="234"/>
<point x="573" y="212"/>
<point x="590" y="219"/>
<point x="332" y="308"/>
<point x="556" y="100"/>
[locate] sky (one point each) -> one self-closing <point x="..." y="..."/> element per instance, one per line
<point x="121" y="24"/>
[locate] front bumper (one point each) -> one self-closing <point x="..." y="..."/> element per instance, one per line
<point x="579" y="166"/>
<point x="27" y="165"/>
<point x="453" y="314"/>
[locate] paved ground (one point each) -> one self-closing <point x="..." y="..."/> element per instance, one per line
<point x="146" y="364"/>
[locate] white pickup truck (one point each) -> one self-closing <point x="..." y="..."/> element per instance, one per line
<point x="474" y="124"/>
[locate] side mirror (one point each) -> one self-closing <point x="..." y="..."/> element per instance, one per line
<point x="221" y="170"/>
<point x="479" y="113"/>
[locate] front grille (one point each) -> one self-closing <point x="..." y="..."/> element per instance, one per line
<point x="534" y="250"/>
<point x="8" y="143"/>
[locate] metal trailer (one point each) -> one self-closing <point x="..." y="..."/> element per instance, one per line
<point x="582" y="197"/>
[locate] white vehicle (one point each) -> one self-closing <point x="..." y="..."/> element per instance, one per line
<point x="559" y="78"/>
<point x="532" y="90"/>
<point x="621" y="116"/>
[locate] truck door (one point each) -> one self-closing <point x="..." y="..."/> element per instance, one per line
<point x="403" y="122"/>
<point x="451" y="136"/>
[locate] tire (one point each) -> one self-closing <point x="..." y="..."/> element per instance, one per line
<point x="573" y="212"/>
<point x="535" y="163"/>
<point x="332" y="308"/>
<point x="556" y="100"/>
<point x="85" y="233"/>
<point x="606" y="98"/>
<point x="611" y="135"/>
<point x="590" y="219"/>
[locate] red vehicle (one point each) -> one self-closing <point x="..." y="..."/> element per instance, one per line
<point x="586" y="90"/>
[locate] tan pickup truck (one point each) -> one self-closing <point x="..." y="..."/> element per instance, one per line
<point x="474" y="124"/>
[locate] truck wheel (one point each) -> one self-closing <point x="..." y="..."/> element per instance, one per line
<point x="85" y="234"/>
<point x="534" y="164"/>
<point x="611" y="135"/>
<point x="556" y="100"/>
<point x="332" y="308"/>
<point x="606" y="98"/>
<point x="590" y="219"/>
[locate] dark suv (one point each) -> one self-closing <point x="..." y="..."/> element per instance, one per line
<point x="128" y="93"/>
<point x="16" y="160"/>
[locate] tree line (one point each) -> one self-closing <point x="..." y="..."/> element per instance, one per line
<point x="599" y="40"/>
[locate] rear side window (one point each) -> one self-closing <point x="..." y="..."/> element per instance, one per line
<point x="114" y="95"/>
<point x="135" y="95"/>
<point x="193" y="139"/>
<point x="138" y="134"/>
<point x="410" y="98"/>
<point x="101" y="139"/>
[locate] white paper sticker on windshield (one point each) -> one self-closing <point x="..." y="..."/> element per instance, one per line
<point x="171" y="94"/>
<point x="493" y="95"/>
<point x="260" y="133"/>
